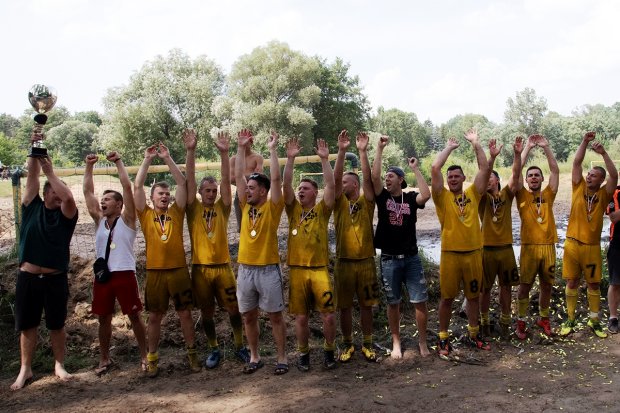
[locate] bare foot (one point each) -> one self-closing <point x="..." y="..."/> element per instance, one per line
<point x="25" y="374"/>
<point x="396" y="352"/>
<point x="424" y="350"/>
<point x="61" y="373"/>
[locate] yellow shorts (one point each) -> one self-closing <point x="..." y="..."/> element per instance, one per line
<point x="581" y="258"/>
<point x="537" y="259"/>
<point x="214" y="282"/>
<point x="161" y="285"/>
<point x="359" y="277"/>
<point x="457" y="267"/>
<point x="499" y="262"/>
<point x="310" y="288"/>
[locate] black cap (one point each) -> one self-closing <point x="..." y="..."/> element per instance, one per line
<point x="398" y="171"/>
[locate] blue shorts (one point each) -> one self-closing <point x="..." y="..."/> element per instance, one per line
<point x="396" y="271"/>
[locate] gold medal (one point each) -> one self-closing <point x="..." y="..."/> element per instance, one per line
<point x="210" y="235"/>
<point x="494" y="219"/>
<point x="462" y="218"/>
<point x="539" y="220"/>
<point x="164" y="237"/>
<point x="294" y="231"/>
<point x="112" y="246"/>
<point x="589" y="218"/>
<point x="253" y="233"/>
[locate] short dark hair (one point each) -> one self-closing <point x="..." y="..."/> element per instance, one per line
<point x="261" y="180"/>
<point x="209" y="178"/>
<point x="115" y="194"/>
<point x="47" y="186"/>
<point x="351" y="173"/>
<point x="527" y="171"/>
<point x="454" y="168"/>
<point x="311" y="182"/>
<point x="499" y="186"/>
<point x="162" y="184"/>
<point x="601" y="170"/>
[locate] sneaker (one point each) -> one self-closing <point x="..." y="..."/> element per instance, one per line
<point x="597" y="328"/>
<point x="346" y="353"/>
<point x="568" y="327"/>
<point x="213" y="360"/>
<point x="613" y="326"/>
<point x="303" y="364"/>
<point x="152" y="368"/>
<point x="545" y="325"/>
<point x="369" y="354"/>
<point x="192" y="358"/>
<point x="478" y="342"/>
<point x="329" y="360"/>
<point x="444" y="348"/>
<point x="521" y="330"/>
<point x="243" y="354"/>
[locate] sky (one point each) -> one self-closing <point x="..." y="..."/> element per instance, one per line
<point x="437" y="59"/>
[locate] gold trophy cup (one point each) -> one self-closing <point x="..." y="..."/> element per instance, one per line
<point x="42" y="98"/>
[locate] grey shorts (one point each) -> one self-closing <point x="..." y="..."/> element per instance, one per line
<point x="260" y="286"/>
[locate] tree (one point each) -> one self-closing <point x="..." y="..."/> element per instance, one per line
<point x="167" y="95"/>
<point x="8" y="125"/>
<point x="342" y="104"/>
<point x="405" y="130"/>
<point x="459" y="125"/>
<point x="90" y="116"/>
<point x="57" y="116"/>
<point x="71" y="141"/>
<point x="10" y="154"/>
<point x="526" y="111"/>
<point x="273" y="87"/>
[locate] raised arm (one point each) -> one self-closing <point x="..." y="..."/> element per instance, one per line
<point x="577" y="174"/>
<point x="189" y="139"/>
<point x="222" y="144"/>
<point x="129" y="210"/>
<point x="180" y="195"/>
<point x="554" y="169"/>
<point x="439" y="162"/>
<point x="612" y="172"/>
<point x="515" y="183"/>
<point x="32" y="179"/>
<point x="274" y="169"/>
<point x="361" y="141"/>
<point x="377" y="183"/>
<point x="343" y="144"/>
<point x="88" y="188"/>
<point x="292" y="150"/>
<point x="138" y="194"/>
<point x="243" y="139"/>
<point x="481" y="179"/>
<point x="425" y="192"/>
<point x="67" y="205"/>
<point x="322" y="150"/>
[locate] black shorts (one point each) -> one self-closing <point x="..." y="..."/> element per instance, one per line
<point x="37" y="292"/>
<point x="613" y="264"/>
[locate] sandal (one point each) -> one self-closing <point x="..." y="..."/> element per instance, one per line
<point x="281" y="368"/>
<point x="252" y="366"/>
<point x="103" y="370"/>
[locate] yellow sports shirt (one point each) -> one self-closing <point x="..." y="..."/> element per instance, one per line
<point x="353" y="222"/>
<point x="208" y="228"/>
<point x="307" y="235"/>
<point x="496" y="218"/>
<point x="163" y="236"/>
<point x="537" y="220"/>
<point x="580" y="227"/>
<point x="258" y="240"/>
<point x="460" y="226"/>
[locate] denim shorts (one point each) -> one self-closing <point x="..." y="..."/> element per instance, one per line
<point x="398" y="271"/>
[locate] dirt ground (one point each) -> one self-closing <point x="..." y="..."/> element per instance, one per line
<point x="536" y="375"/>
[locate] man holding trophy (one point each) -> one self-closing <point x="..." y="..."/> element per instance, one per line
<point x="45" y="235"/>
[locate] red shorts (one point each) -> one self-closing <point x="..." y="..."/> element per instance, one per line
<point x="123" y="286"/>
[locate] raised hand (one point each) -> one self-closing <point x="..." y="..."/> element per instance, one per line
<point x="292" y="148"/>
<point x="413" y="163"/>
<point x="150" y="152"/>
<point x="383" y="141"/>
<point x="472" y="135"/>
<point x="189" y="138"/>
<point x="494" y="150"/>
<point x="533" y="140"/>
<point x="361" y="141"/>
<point x="452" y="143"/>
<point x="244" y="137"/>
<point x="321" y="149"/>
<point x="91" y="159"/>
<point x="113" y="156"/>
<point x="598" y="147"/>
<point x="46" y="164"/>
<point x="222" y="142"/>
<point x="273" y="141"/>
<point x="163" y="151"/>
<point x="541" y="141"/>
<point x="343" y="140"/>
<point x="589" y="136"/>
<point x="518" y="145"/>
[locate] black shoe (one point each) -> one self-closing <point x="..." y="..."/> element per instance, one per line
<point x="613" y="326"/>
<point x="329" y="361"/>
<point x="303" y="364"/>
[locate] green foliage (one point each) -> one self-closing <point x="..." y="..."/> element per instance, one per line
<point x="392" y="154"/>
<point x="459" y="125"/>
<point x="404" y="128"/>
<point x="526" y="111"/>
<point x="90" y="116"/>
<point x="10" y="153"/>
<point x="167" y="95"/>
<point x="72" y="141"/>
<point x="8" y="125"/>
<point x="57" y="116"/>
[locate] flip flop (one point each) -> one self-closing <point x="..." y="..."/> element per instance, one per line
<point x="281" y="368"/>
<point x="100" y="371"/>
<point x="252" y="366"/>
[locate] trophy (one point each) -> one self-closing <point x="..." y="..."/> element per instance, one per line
<point x="42" y="98"/>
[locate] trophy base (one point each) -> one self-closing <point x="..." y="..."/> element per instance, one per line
<point x="35" y="152"/>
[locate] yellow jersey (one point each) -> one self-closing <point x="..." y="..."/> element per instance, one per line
<point x="258" y="240"/>
<point x="163" y="235"/>
<point x="353" y="222"/>
<point x="585" y="221"/>
<point x="307" y="235"/>
<point x="496" y="218"/>
<point x="458" y="216"/>
<point x="537" y="220"/>
<point x="208" y="229"/>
